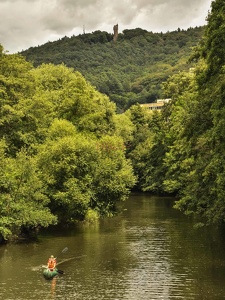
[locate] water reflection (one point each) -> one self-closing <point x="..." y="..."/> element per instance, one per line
<point x="53" y="286"/>
<point x="151" y="252"/>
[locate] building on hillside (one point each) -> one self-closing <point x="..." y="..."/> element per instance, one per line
<point x="156" y="105"/>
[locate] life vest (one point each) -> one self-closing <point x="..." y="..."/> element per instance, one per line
<point x="51" y="263"/>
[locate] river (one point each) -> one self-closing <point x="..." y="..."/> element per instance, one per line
<point x="149" y="252"/>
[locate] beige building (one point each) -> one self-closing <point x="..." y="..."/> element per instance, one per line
<point x="156" y="105"/>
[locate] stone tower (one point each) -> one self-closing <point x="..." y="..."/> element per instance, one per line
<point x="115" y="29"/>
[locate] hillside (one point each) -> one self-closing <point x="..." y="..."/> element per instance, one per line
<point x="129" y="70"/>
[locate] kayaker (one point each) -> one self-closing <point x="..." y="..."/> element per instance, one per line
<point x="51" y="262"/>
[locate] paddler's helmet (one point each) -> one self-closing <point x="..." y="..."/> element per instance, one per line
<point x="52" y="256"/>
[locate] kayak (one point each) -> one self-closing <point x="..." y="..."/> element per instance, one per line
<point x="48" y="274"/>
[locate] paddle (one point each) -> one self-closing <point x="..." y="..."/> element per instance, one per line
<point x="63" y="251"/>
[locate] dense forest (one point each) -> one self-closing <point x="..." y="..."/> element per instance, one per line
<point x="67" y="155"/>
<point x="62" y="148"/>
<point x="129" y="70"/>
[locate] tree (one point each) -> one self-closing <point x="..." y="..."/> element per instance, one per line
<point x="83" y="172"/>
<point x="71" y="97"/>
<point x="178" y="118"/>
<point x="16" y="84"/>
<point x="23" y="202"/>
<point x="214" y="41"/>
<point x="203" y="195"/>
<point x="113" y="177"/>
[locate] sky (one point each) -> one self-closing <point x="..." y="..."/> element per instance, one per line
<point x="30" y="23"/>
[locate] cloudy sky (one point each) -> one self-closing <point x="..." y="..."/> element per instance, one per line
<point x="27" y="23"/>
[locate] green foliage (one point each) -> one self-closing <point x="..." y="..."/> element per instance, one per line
<point x="66" y="164"/>
<point x="183" y="149"/>
<point x="61" y="160"/>
<point x="193" y="124"/>
<point x="140" y="148"/>
<point x="16" y="84"/>
<point x="64" y="153"/>
<point x="69" y="96"/>
<point x="213" y="46"/>
<point x="83" y="173"/>
<point x="130" y="70"/>
<point x="23" y="202"/>
<point x="114" y="175"/>
<point x="91" y="216"/>
<point x="124" y="127"/>
<point x="177" y="117"/>
<point x="203" y="196"/>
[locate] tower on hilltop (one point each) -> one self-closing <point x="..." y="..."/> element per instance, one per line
<point x="115" y="29"/>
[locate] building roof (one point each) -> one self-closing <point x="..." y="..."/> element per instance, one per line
<point x="156" y="105"/>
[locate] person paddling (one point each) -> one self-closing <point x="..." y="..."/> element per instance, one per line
<point x="51" y="263"/>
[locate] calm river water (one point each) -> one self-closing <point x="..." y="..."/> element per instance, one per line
<point x="150" y="251"/>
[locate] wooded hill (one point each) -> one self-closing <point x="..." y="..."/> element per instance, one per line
<point x="129" y="70"/>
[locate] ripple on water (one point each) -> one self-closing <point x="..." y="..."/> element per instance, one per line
<point x="153" y="277"/>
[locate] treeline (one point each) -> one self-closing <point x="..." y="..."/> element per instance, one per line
<point x="183" y="150"/>
<point x="129" y="71"/>
<point x="62" y="148"/>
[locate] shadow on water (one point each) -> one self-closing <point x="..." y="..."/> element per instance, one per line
<point x="150" y="251"/>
